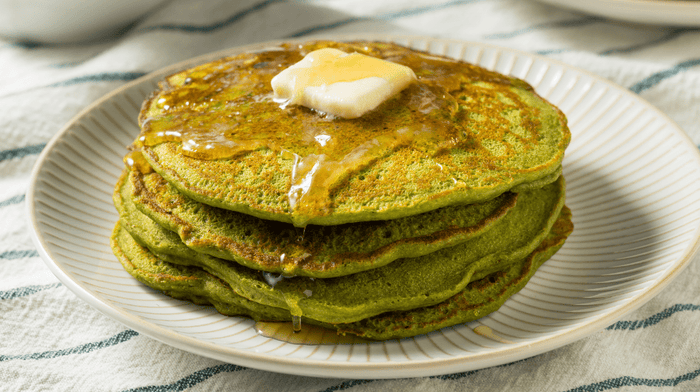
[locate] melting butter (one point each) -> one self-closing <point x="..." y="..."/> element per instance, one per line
<point x="341" y="84"/>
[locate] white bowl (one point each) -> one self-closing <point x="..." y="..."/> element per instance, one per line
<point x="68" y="21"/>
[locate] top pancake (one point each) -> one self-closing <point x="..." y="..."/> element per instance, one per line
<point x="460" y="135"/>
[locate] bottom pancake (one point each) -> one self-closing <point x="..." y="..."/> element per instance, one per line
<point x="476" y="300"/>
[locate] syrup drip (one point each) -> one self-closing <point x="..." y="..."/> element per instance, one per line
<point x="134" y="160"/>
<point x="310" y="334"/>
<point x="291" y="299"/>
<point x="272" y="279"/>
<point x="296" y="323"/>
<point x="315" y="176"/>
<point x="300" y="237"/>
<point x="488" y="333"/>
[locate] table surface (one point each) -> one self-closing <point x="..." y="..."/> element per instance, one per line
<point x="51" y="340"/>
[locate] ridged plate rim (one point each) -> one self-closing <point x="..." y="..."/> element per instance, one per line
<point x="347" y="369"/>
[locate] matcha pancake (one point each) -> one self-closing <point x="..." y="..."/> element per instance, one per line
<point x="403" y="284"/>
<point x="316" y="251"/>
<point x="459" y="135"/>
<point x="182" y="282"/>
<point x="476" y="300"/>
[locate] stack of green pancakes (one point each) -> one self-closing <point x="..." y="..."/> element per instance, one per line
<point x="429" y="211"/>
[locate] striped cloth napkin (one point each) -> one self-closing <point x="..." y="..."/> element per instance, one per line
<point x="52" y="341"/>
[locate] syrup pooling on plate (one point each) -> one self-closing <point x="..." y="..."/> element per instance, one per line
<point x="226" y="108"/>
<point x="311" y="334"/>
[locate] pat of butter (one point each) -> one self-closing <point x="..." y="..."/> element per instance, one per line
<point x="341" y="84"/>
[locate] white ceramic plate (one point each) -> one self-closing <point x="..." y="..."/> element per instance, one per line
<point x="659" y="12"/>
<point x="633" y="185"/>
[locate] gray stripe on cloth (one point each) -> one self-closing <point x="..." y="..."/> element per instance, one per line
<point x="578" y="22"/>
<point x="191" y="380"/>
<point x="11" y="201"/>
<point x="659" y="77"/>
<point x="82" y="349"/>
<point x="380" y="17"/>
<point x="26" y="290"/>
<point x="626" y="381"/>
<point x="21" y="152"/>
<point x="655" y="319"/>
<point x="673" y="34"/>
<point x="18" y="254"/>
<point x="213" y="26"/>
<point x="100" y="77"/>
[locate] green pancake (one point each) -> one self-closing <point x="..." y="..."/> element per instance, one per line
<point x="316" y="251"/>
<point x="539" y="183"/>
<point x="476" y="300"/>
<point x="460" y="135"/>
<point x="403" y="284"/>
<point x="184" y="282"/>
